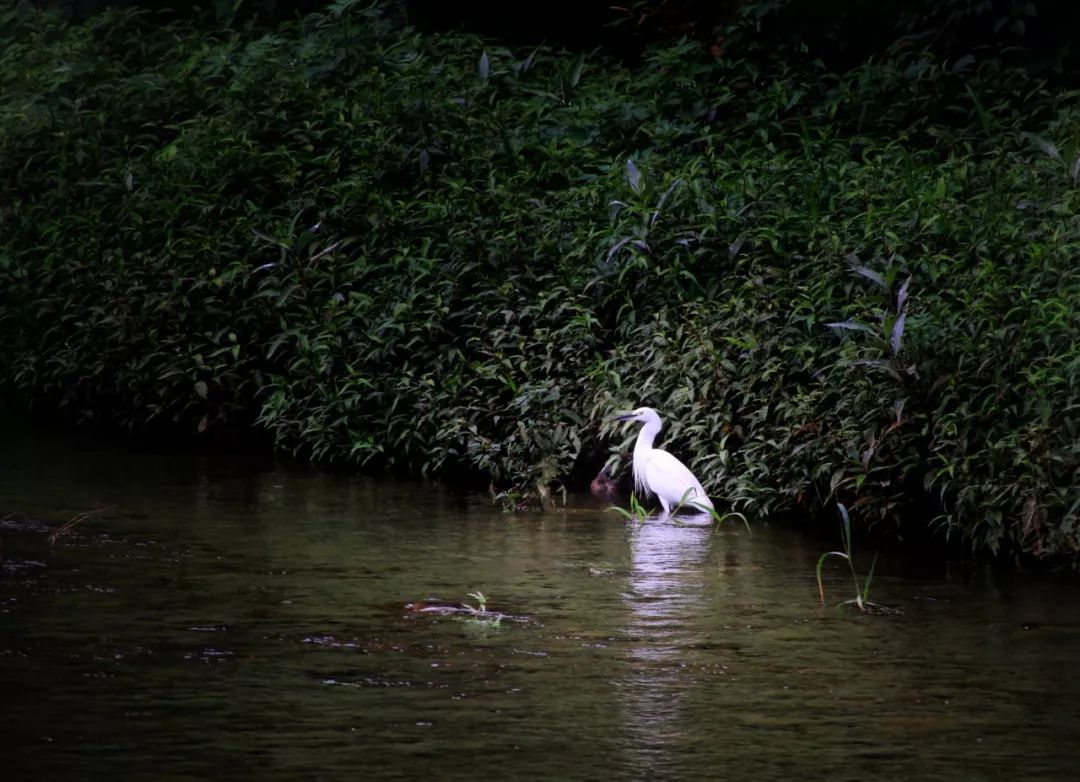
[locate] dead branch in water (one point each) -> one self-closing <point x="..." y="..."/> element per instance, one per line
<point x="75" y="521"/>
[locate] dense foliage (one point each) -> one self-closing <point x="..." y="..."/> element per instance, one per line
<point x="432" y="254"/>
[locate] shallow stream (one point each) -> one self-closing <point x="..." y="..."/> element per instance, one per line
<point x="221" y="619"/>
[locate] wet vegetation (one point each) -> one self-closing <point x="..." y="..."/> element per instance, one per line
<point x="433" y="254"/>
<point x="862" y="586"/>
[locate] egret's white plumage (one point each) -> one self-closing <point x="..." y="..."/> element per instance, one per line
<point x="661" y="473"/>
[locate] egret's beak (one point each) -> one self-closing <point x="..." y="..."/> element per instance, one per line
<point x="624" y="416"/>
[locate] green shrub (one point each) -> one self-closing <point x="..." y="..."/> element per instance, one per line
<point x="431" y="254"/>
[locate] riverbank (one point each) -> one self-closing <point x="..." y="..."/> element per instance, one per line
<point x="427" y="253"/>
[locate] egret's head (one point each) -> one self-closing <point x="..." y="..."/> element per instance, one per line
<point x="644" y="414"/>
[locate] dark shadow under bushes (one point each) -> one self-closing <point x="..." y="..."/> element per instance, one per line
<point x="428" y="253"/>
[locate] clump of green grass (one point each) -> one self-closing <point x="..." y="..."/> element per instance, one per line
<point x="862" y="586"/>
<point x="481" y="603"/>
<point x="478" y="615"/>
<point x="636" y="512"/>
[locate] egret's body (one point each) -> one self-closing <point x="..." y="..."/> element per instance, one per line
<point x="661" y="473"/>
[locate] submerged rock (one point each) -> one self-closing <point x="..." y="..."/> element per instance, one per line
<point x="604" y="484"/>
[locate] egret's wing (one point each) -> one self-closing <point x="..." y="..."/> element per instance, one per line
<point x="670" y="479"/>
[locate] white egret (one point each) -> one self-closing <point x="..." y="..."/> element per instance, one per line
<point x="661" y="473"/>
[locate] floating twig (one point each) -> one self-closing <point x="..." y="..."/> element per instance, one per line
<point x="75" y="521"/>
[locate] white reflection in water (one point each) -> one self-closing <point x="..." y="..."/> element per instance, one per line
<point x="665" y="598"/>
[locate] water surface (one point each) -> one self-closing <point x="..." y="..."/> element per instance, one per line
<point x="228" y="620"/>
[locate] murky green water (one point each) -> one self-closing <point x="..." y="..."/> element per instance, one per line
<point x="223" y="621"/>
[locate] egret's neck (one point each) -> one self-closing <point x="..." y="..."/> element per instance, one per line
<point x="646" y="436"/>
